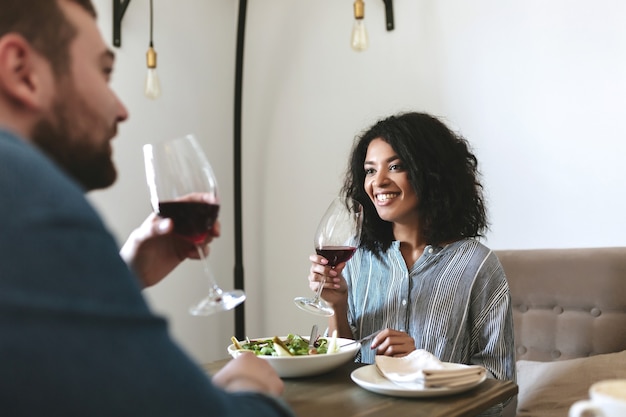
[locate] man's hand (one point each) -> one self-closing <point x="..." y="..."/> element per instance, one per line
<point x="249" y="373"/>
<point x="152" y="250"/>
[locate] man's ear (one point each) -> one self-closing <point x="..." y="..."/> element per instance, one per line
<point x="22" y="72"/>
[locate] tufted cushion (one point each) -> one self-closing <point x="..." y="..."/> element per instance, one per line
<point x="548" y="389"/>
<point x="567" y="303"/>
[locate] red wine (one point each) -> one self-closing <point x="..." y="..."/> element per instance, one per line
<point x="192" y="219"/>
<point x="336" y="254"/>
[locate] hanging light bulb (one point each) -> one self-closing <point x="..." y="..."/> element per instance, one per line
<point x="359" y="40"/>
<point x="153" y="85"/>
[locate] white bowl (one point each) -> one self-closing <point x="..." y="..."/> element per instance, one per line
<point x="307" y="365"/>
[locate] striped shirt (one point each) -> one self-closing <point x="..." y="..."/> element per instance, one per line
<point x="454" y="302"/>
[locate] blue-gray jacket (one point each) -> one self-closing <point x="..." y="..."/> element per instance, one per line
<point x="76" y="336"/>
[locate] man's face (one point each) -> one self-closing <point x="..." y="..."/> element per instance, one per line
<point x="77" y="129"/>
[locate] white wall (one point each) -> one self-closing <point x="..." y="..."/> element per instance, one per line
<point x="537" y="86"/>
<point x="195" y="43"/>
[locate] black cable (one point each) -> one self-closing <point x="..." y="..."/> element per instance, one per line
<point x="151" y="19"/>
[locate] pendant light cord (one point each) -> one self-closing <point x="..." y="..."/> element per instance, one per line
<point x="151" y="19"/>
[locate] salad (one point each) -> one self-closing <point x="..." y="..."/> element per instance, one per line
<point x="293" y="345"/>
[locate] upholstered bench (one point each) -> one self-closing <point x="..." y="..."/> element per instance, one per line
<point x="569" y="312"/>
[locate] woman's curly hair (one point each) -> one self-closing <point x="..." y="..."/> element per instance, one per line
<point x="442" y="170"/>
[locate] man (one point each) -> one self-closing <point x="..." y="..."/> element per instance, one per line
<point x="76" y="336"/>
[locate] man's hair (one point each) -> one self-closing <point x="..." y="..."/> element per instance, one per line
<point x="44" y="25"/>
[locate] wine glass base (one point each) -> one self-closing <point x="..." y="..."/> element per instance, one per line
<point x="211" y="305"/>
<point x="319" y="307"/>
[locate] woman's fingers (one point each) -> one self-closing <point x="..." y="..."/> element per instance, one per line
<point x="391" y="342"/>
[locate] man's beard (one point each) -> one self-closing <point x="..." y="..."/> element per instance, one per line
<point x="64" y="137"/>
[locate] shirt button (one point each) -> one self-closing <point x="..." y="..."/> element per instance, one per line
<point x="403" y="302"/>
<point x="430" y="250"/>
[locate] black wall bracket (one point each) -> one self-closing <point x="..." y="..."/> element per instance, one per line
<point x="119" y="8"/>
<point x="389" y="14"/>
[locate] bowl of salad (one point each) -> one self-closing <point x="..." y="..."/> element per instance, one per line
<point x="292" y="357"/>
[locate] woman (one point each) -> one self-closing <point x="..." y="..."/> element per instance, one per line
<point x="420" y="273"/>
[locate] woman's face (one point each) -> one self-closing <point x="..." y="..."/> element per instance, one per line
<point x="387" y="184"/>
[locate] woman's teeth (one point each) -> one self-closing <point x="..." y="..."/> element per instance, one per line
<point x="385" y="197"/>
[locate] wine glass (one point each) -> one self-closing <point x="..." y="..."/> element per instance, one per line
<point x="336" y="239"/>
<point x="178" y="174"/>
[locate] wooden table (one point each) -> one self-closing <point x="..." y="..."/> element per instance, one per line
<point x="334" y="394"/>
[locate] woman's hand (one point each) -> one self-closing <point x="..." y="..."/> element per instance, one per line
<point x="391" y="342"/>
<point x="335" y="289"/>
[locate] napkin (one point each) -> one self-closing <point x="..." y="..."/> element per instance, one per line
<point x="421" y="369"/>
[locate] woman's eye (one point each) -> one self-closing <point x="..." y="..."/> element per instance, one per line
<point x="369" y="171"/>
<point x="395" y="167"/>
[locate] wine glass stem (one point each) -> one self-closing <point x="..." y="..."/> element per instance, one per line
<point x="318" y="294"/>
<point x="214" y="290"/>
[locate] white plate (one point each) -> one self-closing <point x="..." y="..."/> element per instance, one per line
<point x="369" y="378"/>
